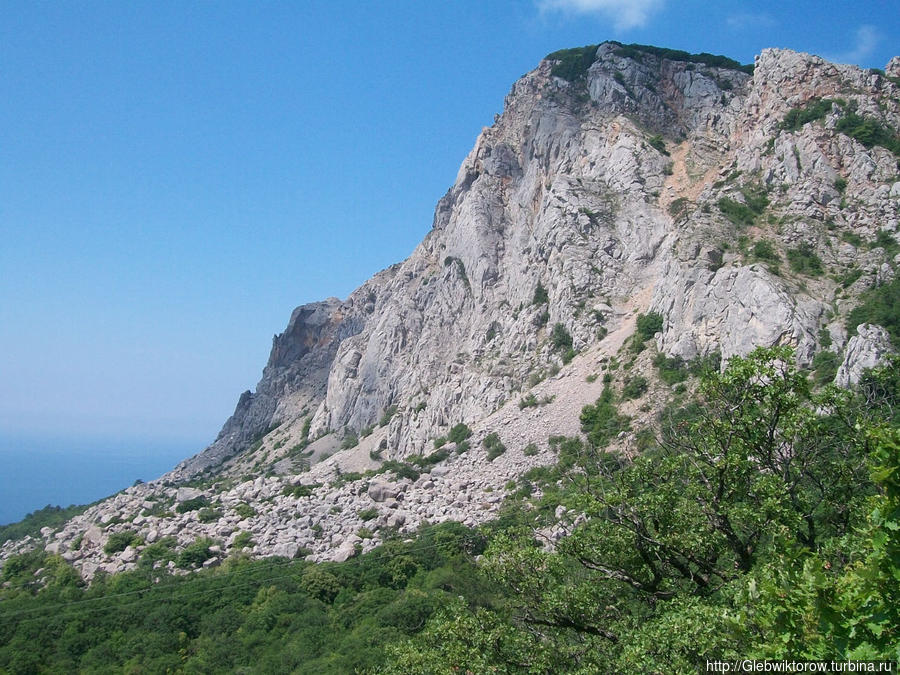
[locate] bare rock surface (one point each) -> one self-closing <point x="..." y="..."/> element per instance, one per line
<point x="648" y="185"/>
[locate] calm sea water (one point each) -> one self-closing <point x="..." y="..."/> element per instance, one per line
<point x="35" y="472"/>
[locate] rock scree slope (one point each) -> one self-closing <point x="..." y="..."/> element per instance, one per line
<point x="739" y="204"/>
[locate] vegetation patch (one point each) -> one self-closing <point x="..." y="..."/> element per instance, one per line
<point x="657" y="143"/>
<point x="459" y="433"/>
<point x="816" y="109"/>
<point x="31" y="525"/>
<point x="880" y="306"/>
<point x="648" y="325"/>
<point x="119" y="541"/>
<point x="298" y="491"/>
<point x="602" y="422"/>
<point x="825" y="365"/>
<point x="868" y="131"/>
<point x="804" y="260"/>
<point x="636" y="51"/>
<point x="493" y="445"/>
<point x="679" y="207"/>
<point x="400" y="469"/>
<point x="744" y="214"/>
<point x="192" y="504"/>
<point x="671" y="369"/>
<point x="573" y="64"/>
<point x="195" y="554"/>
<point x="389" y="412"/>
<point x="634" y="387"/>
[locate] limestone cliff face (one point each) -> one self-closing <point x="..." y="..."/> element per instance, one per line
<point x="739" y="207"/>
<point x="645" y="185"/>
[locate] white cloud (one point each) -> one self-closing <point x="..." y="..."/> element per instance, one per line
<point x="867" y="38"/>
<point x="625" y="14"/>
<point x="747" y="20"/>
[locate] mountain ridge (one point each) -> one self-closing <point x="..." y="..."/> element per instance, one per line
<point x="646" y="186"/>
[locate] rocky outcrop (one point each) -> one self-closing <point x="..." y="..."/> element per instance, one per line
<point x="868" y="349"/>
<point x="646" y="184"/>
<point x="583" y="197"/>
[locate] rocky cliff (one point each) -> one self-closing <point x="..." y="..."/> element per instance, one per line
<point x="740" y="206"/>
<point x="643" y="182"/>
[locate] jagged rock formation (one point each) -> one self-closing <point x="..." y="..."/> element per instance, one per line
<point x="865" y="350"/>
<point x="599" y="191"/>
<point x="738" y="206"/>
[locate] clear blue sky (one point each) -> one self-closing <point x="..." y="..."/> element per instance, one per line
<point x="175" y="177"/>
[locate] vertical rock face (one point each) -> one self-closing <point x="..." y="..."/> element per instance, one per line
<point x="647" y="184"/>
<point x="865" y="350"/>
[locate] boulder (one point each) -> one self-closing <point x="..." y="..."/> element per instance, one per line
<point x="865" y="350"/>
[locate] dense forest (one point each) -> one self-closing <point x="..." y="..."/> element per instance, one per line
<point x="762" y="520"/>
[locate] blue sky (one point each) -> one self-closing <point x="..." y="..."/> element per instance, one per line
<point x="175" y="177"/>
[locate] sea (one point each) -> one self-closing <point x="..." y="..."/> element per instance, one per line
<point x="36" y="472"/>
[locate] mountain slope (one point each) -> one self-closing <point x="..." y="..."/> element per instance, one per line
<point x="620" y="182"/>
<point x="595" y="190"/>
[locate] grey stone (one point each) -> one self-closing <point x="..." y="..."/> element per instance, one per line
<point x="865" y="350"/>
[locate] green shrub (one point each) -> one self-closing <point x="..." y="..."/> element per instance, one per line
<point x="430" y="460"/>
<point x="368" y="514"/>
<point x="657" y="143"/>
<point x="602" y="421"/>
<point x="540" y="295"/>
<point x="493" y="445"/>
<point x="852" y="238"/>
<point x="243" y="540"/>
<point x="195" y="554"/>
<point x="671" y="370"/>
<point x="573" y="64"/>
<point x="881" y="306"/>
<point x="530" y="450"/>
<point x="825" y="366"/>
<point x="299" y="490"/>
<point x="160" y="550"/>
<point x="460" y="268"/>
<point x="244" y="510"/>
<point x="738" y="213"/>
<point x="401" y="469"/>
<point x="492" y="331"/>
<point x="885" y="240"/>
<point x="636" y="51"/>
<point x="803" y="260"/>
<point x="648" y="325"/>
<point x="208" y="515"/>
<point x="192" y="504"/>
<point x="458" y="433"/>
<point x="634" y="387"/>
<point x="763" y="250"/>
<point x="869" y="132"/>
<point x="462" y="447"/>
<point x="679" y="207"/>
<point x="816" y="109"/>
<point x="840" y="183"/>
<point x="560" y="338"/>
<point x="529" y="401"/>
<point x="389" y="412"/>
<point x="849" y="277"/>
<point x="119" y="541"/>
<point x="350" y="441"/>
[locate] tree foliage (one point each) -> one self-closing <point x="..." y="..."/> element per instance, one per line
<point x="763" y="522"/>
<point x="767" y="526"/>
